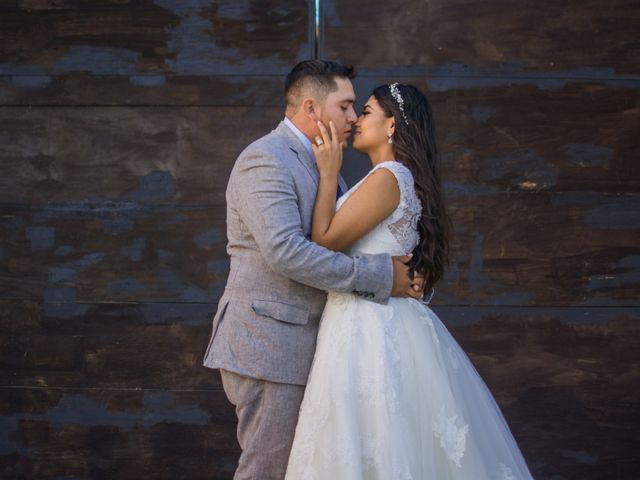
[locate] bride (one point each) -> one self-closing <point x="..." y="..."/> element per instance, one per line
<point x="390" y="394"/>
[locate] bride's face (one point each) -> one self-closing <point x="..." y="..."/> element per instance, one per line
<point x="372" y="128"/>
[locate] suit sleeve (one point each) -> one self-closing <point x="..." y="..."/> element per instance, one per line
<point x="264" y="194"/>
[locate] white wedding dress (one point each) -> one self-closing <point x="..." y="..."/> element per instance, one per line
<point x="390" y="394"/>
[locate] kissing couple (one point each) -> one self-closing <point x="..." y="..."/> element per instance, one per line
<point x="336" y="366"/>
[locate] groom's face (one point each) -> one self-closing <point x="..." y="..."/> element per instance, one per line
<point x="338" y="108"/>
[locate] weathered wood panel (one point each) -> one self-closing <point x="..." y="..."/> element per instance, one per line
<point x="161" y="345"/>
<point x="114" y="174"/>
<point x="121" y="171"/>
<point x="77" y="89"/>
<point x="107" y="434"/>
<point x="113" y="251"/>
<point x="491" y="140"/>
<point x="106" y="345"/>
<point x="145" y="155"/>
<point x="149" y="52"/>
<point x="127" y="38"/>
<point x="570" y="418"/>
<point x="567" y="383"/>
<point x="565" y="249"/>
<point x="517" y="249"/>
<point x="524" y="137"/>
<point x="460" y="38"/>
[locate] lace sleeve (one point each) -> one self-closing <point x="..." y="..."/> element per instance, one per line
<point x="403" y="221"/>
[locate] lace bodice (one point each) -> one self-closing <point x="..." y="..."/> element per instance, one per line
<point x="397" y="234"/>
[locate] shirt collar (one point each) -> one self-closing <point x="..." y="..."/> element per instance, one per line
<point x="301" y="136"/>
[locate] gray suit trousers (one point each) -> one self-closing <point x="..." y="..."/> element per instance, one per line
<point x="267" y="417"/>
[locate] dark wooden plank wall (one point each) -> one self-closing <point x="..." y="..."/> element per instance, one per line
<point x="120" y="121"/>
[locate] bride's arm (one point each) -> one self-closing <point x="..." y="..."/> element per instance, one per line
<point x="374" y="200"/>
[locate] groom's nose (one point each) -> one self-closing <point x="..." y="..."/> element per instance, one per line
<point x="352" y="117"/>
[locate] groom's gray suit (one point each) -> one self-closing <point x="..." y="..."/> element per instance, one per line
<point x="264" y="331"/>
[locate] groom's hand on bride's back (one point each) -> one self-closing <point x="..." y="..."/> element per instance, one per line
<point x="403" y="284"/>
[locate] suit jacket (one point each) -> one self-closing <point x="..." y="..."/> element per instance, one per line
<point x="268" y="316"/>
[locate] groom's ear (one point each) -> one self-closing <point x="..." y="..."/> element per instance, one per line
<point x="310" y="108"/>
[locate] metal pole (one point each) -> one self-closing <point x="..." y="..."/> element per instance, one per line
<point x="317" y="29"/>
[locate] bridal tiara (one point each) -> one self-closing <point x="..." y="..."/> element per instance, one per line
<point x="395" y="93"/>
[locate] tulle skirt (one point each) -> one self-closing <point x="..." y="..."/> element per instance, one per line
<point x="391" y="395"/>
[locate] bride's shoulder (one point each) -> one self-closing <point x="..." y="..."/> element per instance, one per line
<point x="402" y="174"/>
<point x="396" y="167"/>
<point x="389" y="176"/>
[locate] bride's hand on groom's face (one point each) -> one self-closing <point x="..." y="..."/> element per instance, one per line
<point x="328" y="151"/>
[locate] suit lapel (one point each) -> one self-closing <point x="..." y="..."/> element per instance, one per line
<point x="298" y="148"/>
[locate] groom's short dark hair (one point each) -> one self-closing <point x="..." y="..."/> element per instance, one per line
<point x="319" y="75"/>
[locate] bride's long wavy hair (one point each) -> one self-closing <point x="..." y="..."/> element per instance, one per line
<point x="414" y="145"/>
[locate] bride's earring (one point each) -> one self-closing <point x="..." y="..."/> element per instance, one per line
<point x="390" y="141"/>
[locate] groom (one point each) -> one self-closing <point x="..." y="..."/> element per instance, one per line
<point x="265" y="328"/>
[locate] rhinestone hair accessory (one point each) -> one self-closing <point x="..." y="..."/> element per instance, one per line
<point x="395" y="93"/>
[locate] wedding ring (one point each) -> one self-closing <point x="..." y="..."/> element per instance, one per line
<point x="319" y="141"/>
